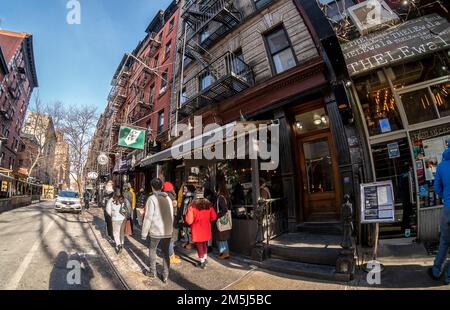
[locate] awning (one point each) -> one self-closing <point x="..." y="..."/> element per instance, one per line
<point x="201" y="142"/>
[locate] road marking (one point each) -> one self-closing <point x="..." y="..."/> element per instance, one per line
<point x="15" y="280"/>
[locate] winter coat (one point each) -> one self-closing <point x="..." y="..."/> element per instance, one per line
<point x="442" y="178"/>
<point x="221" y="206"/>
<point x="158" y="218"/>
<point x="200" y="221"/>
<point x="113" y="210"/>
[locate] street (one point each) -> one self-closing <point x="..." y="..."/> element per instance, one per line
<point x="37" y="243"/>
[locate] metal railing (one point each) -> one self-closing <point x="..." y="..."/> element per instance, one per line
<point x="228" y="65"/>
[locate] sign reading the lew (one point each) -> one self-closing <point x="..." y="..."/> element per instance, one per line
<point x="131" y="137"/>
<point x="411" y="39"/>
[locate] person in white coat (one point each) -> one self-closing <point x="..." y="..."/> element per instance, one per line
<point x="117" y="207"/>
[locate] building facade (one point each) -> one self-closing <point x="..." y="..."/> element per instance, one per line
<point x="61" y="165"/>
<point x="40" y="126"/>
<point x="17" y="81"/>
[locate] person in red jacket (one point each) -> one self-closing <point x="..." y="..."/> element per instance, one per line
<point x="200" y="215"/>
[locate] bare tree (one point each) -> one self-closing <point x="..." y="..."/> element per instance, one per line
<point x="58" y="113"/>
<point x="78" y="127"/>
<point x="36" y="127"/>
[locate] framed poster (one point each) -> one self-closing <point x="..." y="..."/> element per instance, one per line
<point x="377" y="202"/>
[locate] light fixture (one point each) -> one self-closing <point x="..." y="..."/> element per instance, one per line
<point x="405" y="2"/>
<point x="299" y="125"/>
<point x="324" y="119"/>
<point x="317" y="122"/>
<point x="348" y="83"/>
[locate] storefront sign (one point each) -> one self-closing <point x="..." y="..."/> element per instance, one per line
<point x="377" y="202"/>
<point x="410" y="39"/>
<point x="131" y="137"/>
<point x="393" y="150"/>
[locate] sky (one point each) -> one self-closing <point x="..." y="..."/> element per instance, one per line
<point x="75" y="63"/>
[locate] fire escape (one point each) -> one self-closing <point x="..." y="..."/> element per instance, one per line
<point x="222" y="77"/>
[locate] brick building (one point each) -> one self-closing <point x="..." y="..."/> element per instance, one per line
<point x="17" y="81"/>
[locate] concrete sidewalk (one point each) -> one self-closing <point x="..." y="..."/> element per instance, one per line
<point x="405" y="263"/>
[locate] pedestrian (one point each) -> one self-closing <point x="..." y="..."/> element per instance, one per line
<point x="140" y="206"/>
<point x="87" y="199"/>
<point x="158" y="224"/>
<point x="188" y="197"/>
<point x="222" y="227"/>
<point x="129" y="195"/>
<point x="118" y="208"/>
<point x="442" y="189"/>
<point x="108" y="194"/>
<point x="169" y="189"/>
<point x="200" y="215"/>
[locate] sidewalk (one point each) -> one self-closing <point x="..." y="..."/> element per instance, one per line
<point x="405" y="264"/>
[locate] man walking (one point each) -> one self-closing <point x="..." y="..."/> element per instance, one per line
<point x="158" y="223"/>
<point x="442" y="189"/>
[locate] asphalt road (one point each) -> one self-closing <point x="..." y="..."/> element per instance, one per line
<point x="42" y="249"/>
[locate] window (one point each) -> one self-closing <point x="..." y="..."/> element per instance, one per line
<point x="311" y="121"/>
<point x="319" y="166"/>
<point x="238" y="64"/>
<point x="206" y="80"/>
<point x="167" y="53"/>
<point x="160" y="122"/>
<point x="204" y="34"/>
<point x="418" y="106"/>
<point x="184" y="97"/>
<point x="152" y="94"/>
<point x="160" y="37"/>
<point x="156" y="61"/>
<point x="261" y="3"/>
<point x="281" y="52"/>
<point x="20" y="162"/>
<point x="163" y="82"/>
<point x="442" y="98"/>
<point x="171" y="24"/>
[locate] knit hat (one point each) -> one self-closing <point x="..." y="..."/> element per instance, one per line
<point x="167" y="187"/>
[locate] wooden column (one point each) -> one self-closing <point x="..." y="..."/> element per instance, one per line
<point x="288" y="169"/>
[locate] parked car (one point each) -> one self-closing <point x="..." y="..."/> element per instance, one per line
<point x="68" y="201"/>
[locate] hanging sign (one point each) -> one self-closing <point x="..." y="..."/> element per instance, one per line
<point x="4" y="186"/>
<point x="413" y="38"/>
<point x="377" y="202"/>
<point x="131" y="137"/>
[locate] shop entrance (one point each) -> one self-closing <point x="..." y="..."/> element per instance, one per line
<point x="319" y="175"/>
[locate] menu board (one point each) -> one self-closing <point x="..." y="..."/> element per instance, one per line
<point x="377" y="202"/>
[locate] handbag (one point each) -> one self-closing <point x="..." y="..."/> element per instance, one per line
<point x="124" y="211"/>
<point x="224" y="223"/>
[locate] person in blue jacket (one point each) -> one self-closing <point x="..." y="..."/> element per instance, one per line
<point x="442" y="189"/>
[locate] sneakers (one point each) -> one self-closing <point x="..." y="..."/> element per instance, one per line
<point x="119" y="249"/>
<point x="149" y="274"/>
<point x="202" y="265"/>
<point x="175" y="259"/>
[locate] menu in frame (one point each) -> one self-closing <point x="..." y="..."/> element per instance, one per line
<point x="377" y="202"/>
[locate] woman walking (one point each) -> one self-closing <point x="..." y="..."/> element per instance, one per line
<point x="222" y="227"/>
<point x="187" y="198"/>
<point x="119" y="209"/>
<point x="200" y="215"/>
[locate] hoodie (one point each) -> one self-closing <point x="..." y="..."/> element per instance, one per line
<point x="442" y="178"/>
<point x="158" y="219"/>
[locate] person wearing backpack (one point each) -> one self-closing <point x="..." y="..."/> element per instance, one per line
<point x="222" y="227"/>
<point x="158" y="224"/>
<point x="119" y="209"/>
<point x="200" y="214"/>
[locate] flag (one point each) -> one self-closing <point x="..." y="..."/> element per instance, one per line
<point x="132" y="137"/>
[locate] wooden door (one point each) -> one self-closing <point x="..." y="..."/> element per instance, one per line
<point x="319" y="177"/>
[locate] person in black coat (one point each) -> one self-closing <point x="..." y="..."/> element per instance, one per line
<point x="222" y="205"/>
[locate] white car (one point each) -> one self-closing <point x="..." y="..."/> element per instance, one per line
<point x="68" y="201"/>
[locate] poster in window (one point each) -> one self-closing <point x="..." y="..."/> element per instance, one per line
<point x="385" y="126"/>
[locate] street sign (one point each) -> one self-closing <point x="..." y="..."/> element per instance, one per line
<point x="102" y="159"/>
<point x="377" y="202"/>
<point x="131" y="137"/>
<point x="393" y="150"/>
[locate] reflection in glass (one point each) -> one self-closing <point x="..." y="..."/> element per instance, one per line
<point x="441" y="95"/>
<point x="318" y="166"/>
<point x="311" y="121"/>
<point x="418" y="106"/>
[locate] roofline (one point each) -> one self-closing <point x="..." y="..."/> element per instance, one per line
<point x="27" y="49"/>
<point x="3" y="65"/>
<point x="162" y="17"/>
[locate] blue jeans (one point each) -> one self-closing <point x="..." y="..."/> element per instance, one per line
<point x="223" y="246"/>
<point x="444" y="245"/>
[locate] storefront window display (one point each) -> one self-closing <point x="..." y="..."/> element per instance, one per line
<point x="441" y="95"/>
<point x="418" y="106"/>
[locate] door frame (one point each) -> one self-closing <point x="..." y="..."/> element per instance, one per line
<point x="299" y="109"/>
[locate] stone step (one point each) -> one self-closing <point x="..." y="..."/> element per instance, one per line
<point x="325" y="228"/>
<point x="305" y="254"/>
<point x="321" y="272"/>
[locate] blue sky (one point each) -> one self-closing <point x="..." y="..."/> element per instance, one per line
<point x="75" y="63"/>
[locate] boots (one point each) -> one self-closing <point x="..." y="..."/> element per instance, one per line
<point x="224" y="255"/>
<point x="175" y="260"/>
